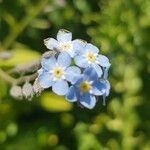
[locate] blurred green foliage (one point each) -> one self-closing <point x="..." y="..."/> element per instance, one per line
<point x="121" y="29"/>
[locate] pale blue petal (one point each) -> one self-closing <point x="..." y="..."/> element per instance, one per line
<point x="48" y="63"/>
<point x="92" y="48"/>
<point x="98" y="69"/>
<point x="103" y="61"/>
<point x="71" y="53"/>
<point x="64" y="59"/>
<point x="45" y="80"/>
<point x="60" y="87"/>
<point x="105" y="75"/>
<point x="71" y="95"/>
<point x="88" y="101"/>
<point x="64" y="35"/>
<point x="72" y="73"/>
<point x="90" y="74"/>
<point x="79" y="46"/>
<point x="81" y="61"/>
<point x="51" y="43"/>
<point x="107" y="87"/>
<point x="40" y="71"/>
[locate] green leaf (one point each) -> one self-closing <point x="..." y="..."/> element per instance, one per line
<point x="54" y="103"/>
<point x="20" y="56"/>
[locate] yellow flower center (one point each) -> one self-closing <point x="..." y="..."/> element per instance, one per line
<point x="58" y="72"/>
<point x="91" y="57"/>
<point x="66" y="46"/>
<point x="85" y="86"/>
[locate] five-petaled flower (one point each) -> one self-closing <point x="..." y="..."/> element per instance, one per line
<point x="86" y="87"/>
<point x="64" y="43"/>
<point x="56" y="72"/>
<point x="89" y="57"/>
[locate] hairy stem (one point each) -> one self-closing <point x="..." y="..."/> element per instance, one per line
<point x="20" y="80"/>
<point x="7" y="77"/>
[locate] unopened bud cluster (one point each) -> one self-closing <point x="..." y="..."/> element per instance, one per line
<point x="26" y="91"/>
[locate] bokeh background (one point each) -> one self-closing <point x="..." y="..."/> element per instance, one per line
<point x="121" y="29"/>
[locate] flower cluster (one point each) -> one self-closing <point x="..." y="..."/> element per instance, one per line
<point x="77" y="70"/>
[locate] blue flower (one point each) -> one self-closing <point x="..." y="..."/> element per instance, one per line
<point x="56" y="72"/>
<point x="89" y="57"/>
<point x="64" y="43"/>
<point x="86" y="87"/>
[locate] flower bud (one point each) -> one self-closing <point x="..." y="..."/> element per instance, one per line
<point x="36" y="87"/>
<point x="16" y="92"/>
<point x="27" y="91"/>
<point x="29" y="67"/>
<point x="5" y="55"/>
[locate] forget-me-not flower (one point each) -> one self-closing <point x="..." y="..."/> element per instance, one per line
<point x="89" y="57"/>
<point x="86" y="87"/>
<point x="64" y="43"/>
<point x="56" y="72"/>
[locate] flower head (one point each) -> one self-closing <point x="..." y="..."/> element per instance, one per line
<point x="86" y="87"/>
<point x="64" y="43"/>
<point x="89" y="57"/>
<point x="56" y="72"/>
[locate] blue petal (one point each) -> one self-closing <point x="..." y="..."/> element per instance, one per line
<point x="98" y="88"/>
<point x="103" y="61"/>
<point x="64" y="35"/>
<point x="72" y="73"/>
<point x="64" y="59"/>
<point x="92" y="48"/>
<point x="45" y="80"/>
<point x="88" y="101"/>
<point x="90" y="74"/>
<point x="71" y="95"/>
<point x="60" y="87"/>
<point x="79" y="45"/>
<point x="48" y="63"/>
<point x="51" y="43"/>
<point x="81" y="61"/>
<point x="97" y="69"/>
